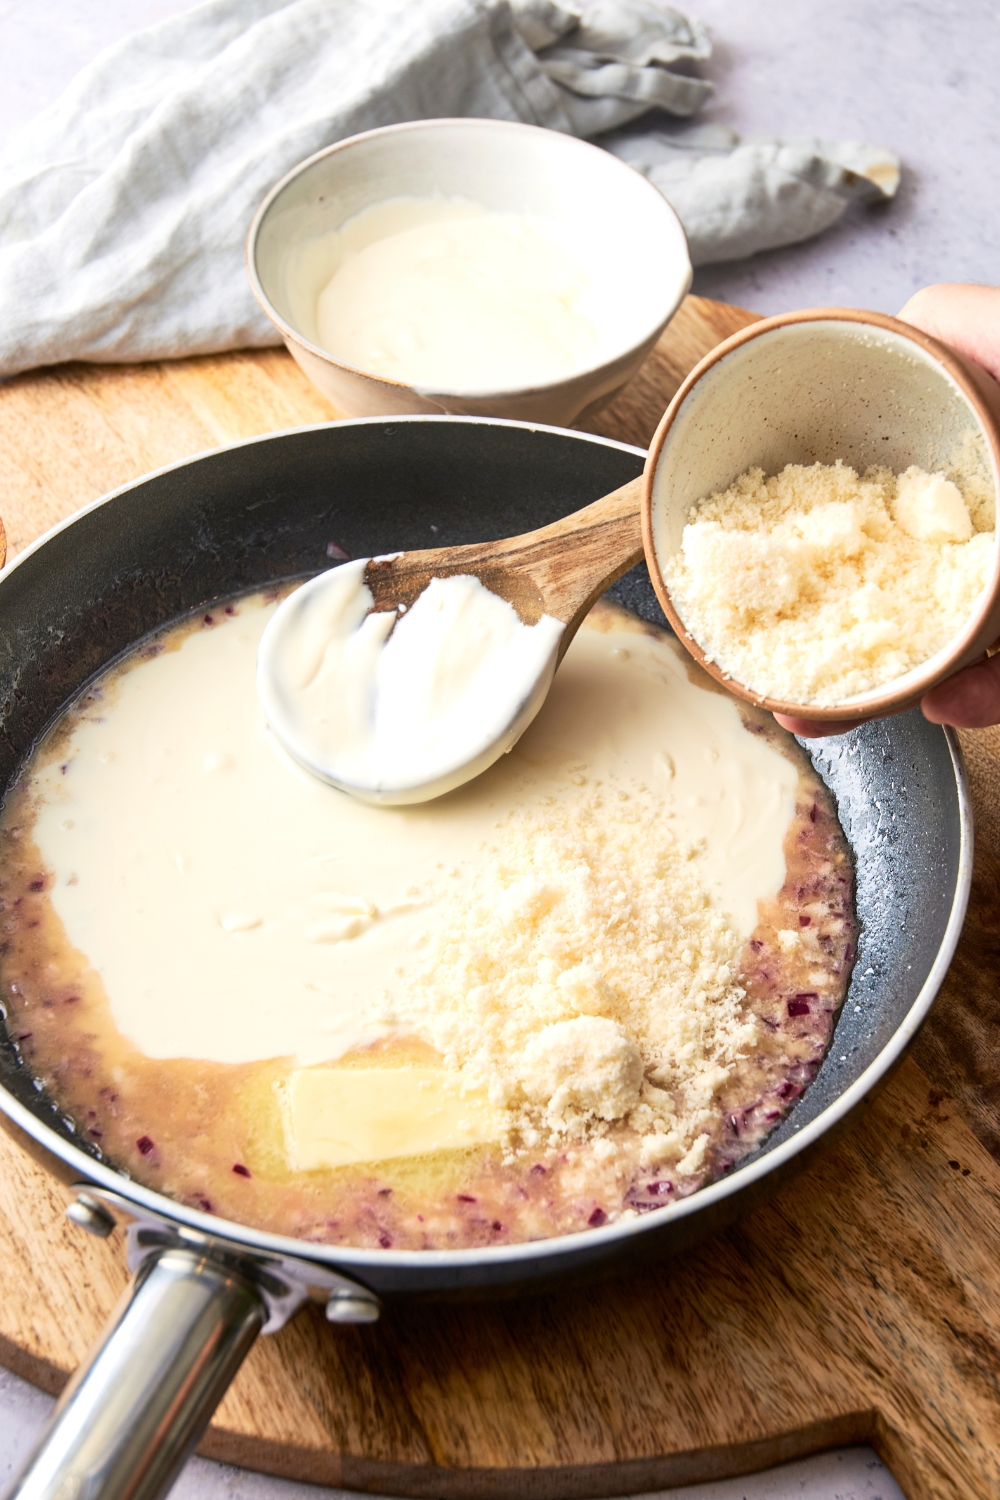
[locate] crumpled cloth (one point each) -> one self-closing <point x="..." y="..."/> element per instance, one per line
<point x="124" y="207"/>
<point x="739" y="194"/>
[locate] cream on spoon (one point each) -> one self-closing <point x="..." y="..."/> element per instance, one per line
<point x="399" y="678"/>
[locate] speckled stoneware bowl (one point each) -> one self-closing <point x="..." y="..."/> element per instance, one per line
<point x="815" y="386"/>
<point x="507" y="168"/>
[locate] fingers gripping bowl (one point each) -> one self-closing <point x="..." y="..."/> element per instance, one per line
<point x="877" y="399"/>
<point x="272" y="509"/>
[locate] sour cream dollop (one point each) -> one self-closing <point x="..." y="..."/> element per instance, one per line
<point x="401" y="707"/>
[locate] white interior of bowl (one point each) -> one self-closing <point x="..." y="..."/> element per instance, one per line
<point x="609" y="216"/>
<point x="813" y="392"/>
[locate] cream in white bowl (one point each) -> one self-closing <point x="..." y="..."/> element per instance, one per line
<point x="468" y="266"/>
<point x="443" y="293"/>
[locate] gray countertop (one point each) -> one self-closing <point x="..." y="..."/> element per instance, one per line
<point x="919" y="78"/>
<point x="916" y="77"/>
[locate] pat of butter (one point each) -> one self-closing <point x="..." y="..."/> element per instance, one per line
<point x="335" y="1117"/>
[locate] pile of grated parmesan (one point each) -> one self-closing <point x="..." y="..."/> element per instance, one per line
<point x="815" y="585"/>
<point x="584" y="977"/>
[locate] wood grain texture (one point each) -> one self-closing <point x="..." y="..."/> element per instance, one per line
<point x="861" y="1303"/>
<point x="559" y="570"/>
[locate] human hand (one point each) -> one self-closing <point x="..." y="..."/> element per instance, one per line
<point x="967" y="318"/>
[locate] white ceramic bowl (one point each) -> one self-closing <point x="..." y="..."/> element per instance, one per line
<point x="812" y="387"/>
<point x="507" y="168"/>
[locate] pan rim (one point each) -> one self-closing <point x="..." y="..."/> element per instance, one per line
<point x="407" y="418"/>
<point x="93" y="1173"/>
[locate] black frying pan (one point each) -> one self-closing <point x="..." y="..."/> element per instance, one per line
<point x="283" y="506"/>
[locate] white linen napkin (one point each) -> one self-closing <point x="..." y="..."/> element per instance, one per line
<point x="124" y="206"/>
<point x="740" y="194"/>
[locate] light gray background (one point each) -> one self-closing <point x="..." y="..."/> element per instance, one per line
<point x="919" y="76"/>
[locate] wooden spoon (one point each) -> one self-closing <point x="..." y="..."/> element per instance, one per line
<point x="330" y="719"/>
<point x="560" y="570"/>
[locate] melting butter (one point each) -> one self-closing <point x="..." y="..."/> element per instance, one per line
<point x="237" y="909"/>
<point x="335" y="1117"/>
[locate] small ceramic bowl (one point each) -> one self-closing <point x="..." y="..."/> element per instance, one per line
<point x="507" y="168"/>
<point x="810" y="387"/>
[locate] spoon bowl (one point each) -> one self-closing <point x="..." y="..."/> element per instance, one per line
<point x="337" y="681"/>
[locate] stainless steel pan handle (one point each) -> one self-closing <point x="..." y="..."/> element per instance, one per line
<point x="129" y="1417"/>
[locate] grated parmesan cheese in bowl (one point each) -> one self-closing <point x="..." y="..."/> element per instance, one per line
<point x="818" y="584"/>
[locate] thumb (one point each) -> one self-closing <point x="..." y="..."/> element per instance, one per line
<point x="969" y="700"/>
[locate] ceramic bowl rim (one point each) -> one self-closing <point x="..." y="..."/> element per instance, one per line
<point x="891" y="697"/>
<point x="287" y="331"/>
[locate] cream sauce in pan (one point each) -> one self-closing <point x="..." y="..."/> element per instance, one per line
<point x="195" y="930"/>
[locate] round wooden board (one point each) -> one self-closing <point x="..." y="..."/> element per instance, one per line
<point x="860" y="1304"/>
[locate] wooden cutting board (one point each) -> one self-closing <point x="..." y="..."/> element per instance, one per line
<point x="861" y="1304"/>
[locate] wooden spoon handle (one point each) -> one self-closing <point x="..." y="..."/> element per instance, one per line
<point x="560" y="570"/>
<point x="574" y="560"/>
